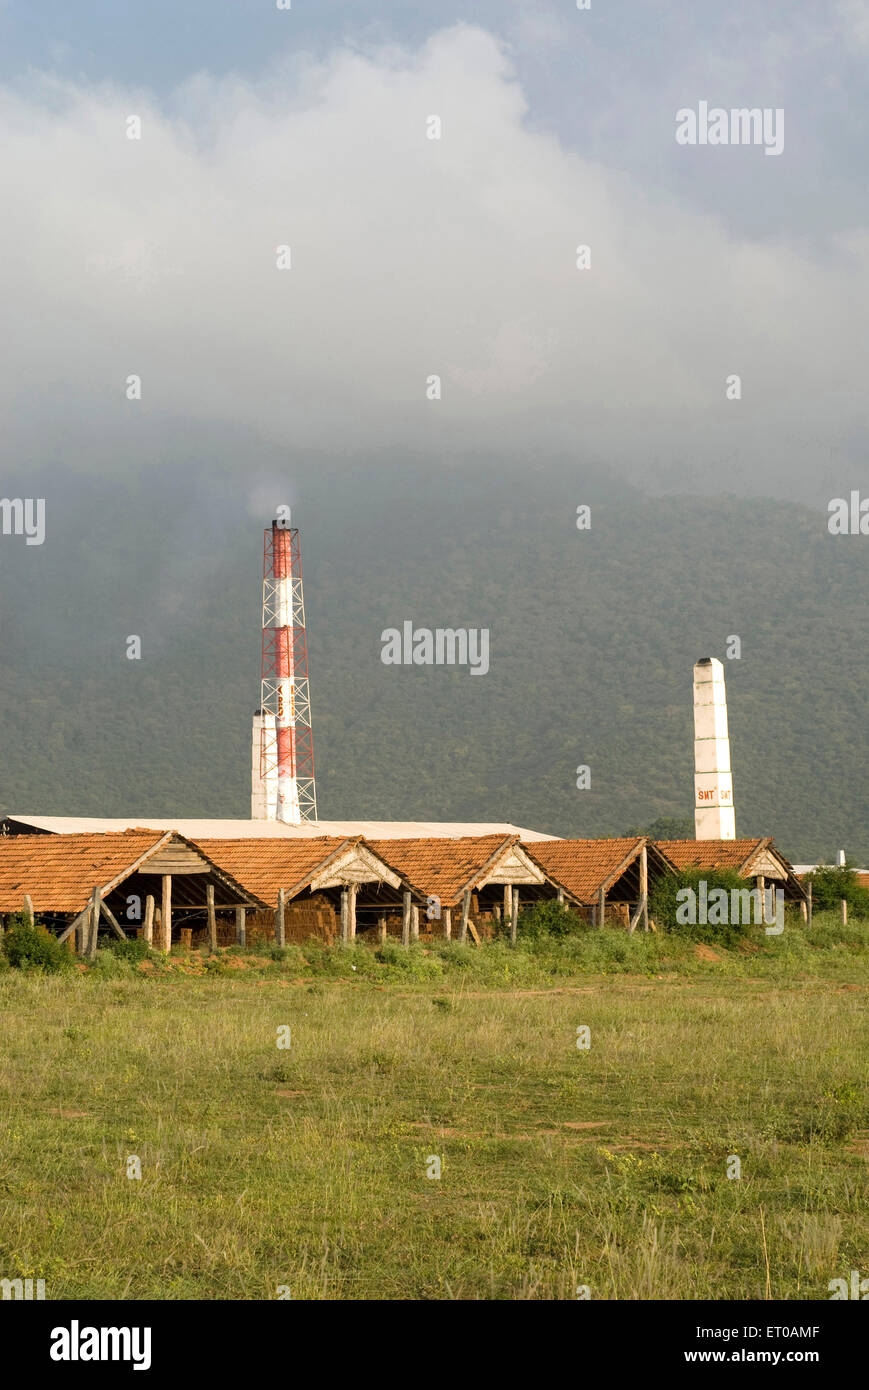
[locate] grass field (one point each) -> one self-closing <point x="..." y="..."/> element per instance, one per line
<point x="306" y="1168"/>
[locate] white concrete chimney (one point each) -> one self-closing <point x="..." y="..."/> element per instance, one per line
<point x="714" y="817"/>
<point x="264" y="768"/>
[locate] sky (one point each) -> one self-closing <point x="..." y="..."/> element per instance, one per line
<point x="411" y="258"/>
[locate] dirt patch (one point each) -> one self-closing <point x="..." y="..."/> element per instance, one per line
<point x="70" y="1114"/>
<point x="704" y="952"/>
<point x="585" y="1124"/>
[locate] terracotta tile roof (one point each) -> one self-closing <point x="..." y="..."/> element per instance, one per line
<point x="710" y="854"/>
<point x="59" y="872"/>
<point x="443" y="868"/>
<point x="582" y="867"/>
<point x="264" y="866"/>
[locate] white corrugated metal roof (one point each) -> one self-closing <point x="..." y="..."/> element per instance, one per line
<point x="263" y="829"/>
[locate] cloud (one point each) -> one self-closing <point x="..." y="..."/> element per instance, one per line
<point x="410" y="257"/>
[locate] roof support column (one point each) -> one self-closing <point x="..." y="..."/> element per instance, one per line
<point x="601" y="906"/>
<point x="514" y="915"/>
<point x="466" y="912"/>
<point x="448" y="924"/>
<point x="280" y="934"/>
<point x="405" y="919"/>
<point x="240" y="929"/>
<point x="212" y="917"/>
<point x="351" y="910"/>
<point x="148" y="926"/>
<point x="166" y="915"/>
<point x="644" y="885"/>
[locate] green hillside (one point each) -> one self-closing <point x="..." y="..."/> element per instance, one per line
<point x="593" y="637"/>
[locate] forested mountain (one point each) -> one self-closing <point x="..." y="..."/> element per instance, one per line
<point x="593" y="635"/>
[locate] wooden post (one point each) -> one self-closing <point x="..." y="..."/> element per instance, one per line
<point x="644" y="885"/>
<point x="94" y="923"/>
<point x="804" y="911"/>
<point x="166" y="914"/>
<point x="414" y="923"/>
<point x="381" y="926"/>
<point x="351" y="910"/>
<point x="760" y="884"/>
<point x="508" y="906"/>
<point x="345" y="916"/>
<point x="112" y="921"/>
<point x="448" y="924"/>
<point x="212" y="917"/>
<point x="240" y="929"/>
<point x="466" y="912"/>
<point x="810" y="902"/>
<point x="844" y="912"/>
<point x="28" y="908"/>
<point x="405" y="919"/>
<point x="514" y="916"/>
<point x="280" y="931"/>
<point x="601" y="906"/>
<point x="560" y="897"/>
<point x="149" y="920"/>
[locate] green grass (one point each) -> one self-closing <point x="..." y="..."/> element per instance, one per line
<point x="561" y="1167"/>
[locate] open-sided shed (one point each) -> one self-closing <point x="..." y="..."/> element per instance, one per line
<point x="128" y="880"/>
<point x="480" y="879"/>
<point x="599" y="874"/>
<point x="317" y="886"/>
<point x="758" y="859"/>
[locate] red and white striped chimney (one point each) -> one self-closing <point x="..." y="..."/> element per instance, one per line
<point x="283" y="786"/>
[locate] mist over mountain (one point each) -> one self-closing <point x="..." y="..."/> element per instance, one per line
<point x="592" y="634"/>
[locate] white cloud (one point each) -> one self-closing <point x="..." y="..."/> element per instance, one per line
<point x="410" y="257"/>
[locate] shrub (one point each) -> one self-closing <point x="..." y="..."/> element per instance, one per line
<point x="665" y="902"/>
<point x="134" y="949"/>
<point x="830" y="884"/>
<point x="549" y="918"/>
<point x="30" y="946"/>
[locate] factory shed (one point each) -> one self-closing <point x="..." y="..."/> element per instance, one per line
<point x="608" y="878"/>
<point x="225" y="829"/>
<point x="478" y="880"/>
<point x="758" y="859"/>
<point x="131" y="882"/>
<point x="319" y="887"/>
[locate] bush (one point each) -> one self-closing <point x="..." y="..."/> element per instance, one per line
<point x="30" y="946"/>
<point x="548" y="918"/>
<point x="830" y="884"/>
<point x="665" y="903"/>
<point x="134" y="949"/>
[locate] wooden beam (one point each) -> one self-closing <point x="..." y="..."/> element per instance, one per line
<point x="112" y="921"/>
<point x="75" y="924"/>
<point x="508" y="907"/>
<point x="352" y="890"/>
<point x="601" y="906"/>
<point x="466" y="912"/>
<point x="240" y="929"/>
<point x="405" y="919"/>
<point x="644" y="885"/>
<point x="632" y="924"/>
<point x="810" y="901"/>
<point x="28" y="908"/>
<point x="381" y="927"/>
<point x="345" y="916"/>
<point x="514" y="916"/>
<point x="148" y="925"/>
<point x="212" y="917"/>
<point x="166" y="915"/>
<point x="94" y="923"/>
<point x="448" y="924"/>
<point x="414" y="923"/>
<point x="280" y="929"/>
<point x="560" y="896"/>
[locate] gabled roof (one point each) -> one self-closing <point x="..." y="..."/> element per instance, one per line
<point x="583" y="867"/>
<point x="60" y="872"/>
<point x="745" y="857"/>
<point x="265" y="866"/>
<point x="204" y="829"/>
<point x="448" y="868"/>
